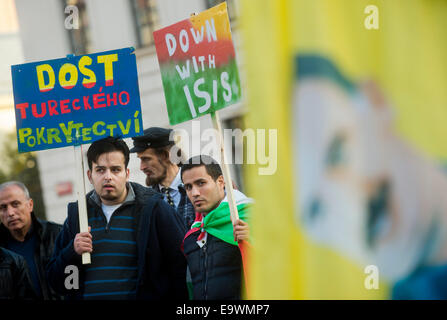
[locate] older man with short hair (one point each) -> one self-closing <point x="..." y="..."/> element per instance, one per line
<point x="24" y="234"/>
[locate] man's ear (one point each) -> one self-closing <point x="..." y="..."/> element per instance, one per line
<point x="89" y="175"/>
<point x="127" y="174"/>
<point x="31" y="204"/>
<point x="221" y="180"/>
<point x="165" y="156"/>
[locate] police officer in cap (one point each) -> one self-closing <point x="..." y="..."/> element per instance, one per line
<point x="153" y="149"/>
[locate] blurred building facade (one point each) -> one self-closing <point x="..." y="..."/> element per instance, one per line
<point x="10" y="53"/>
<point x="107" y="25"/>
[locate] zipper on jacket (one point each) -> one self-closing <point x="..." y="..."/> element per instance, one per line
<point x="107" y="222"/>
<point x="206" y="273"/>
<point x="110" y="220"/>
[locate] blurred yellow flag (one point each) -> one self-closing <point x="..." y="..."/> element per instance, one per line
<point x="356" y="91"/>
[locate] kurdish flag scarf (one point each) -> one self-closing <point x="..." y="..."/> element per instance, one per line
<point x="218" y="223"/>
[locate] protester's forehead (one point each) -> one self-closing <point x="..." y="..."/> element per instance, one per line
<point x="194" y="174"/>
<point x="114" y="158"/>
<point x="12" y="192"/>
<point x="149" y="152"/>
<point x="12" y="189"/>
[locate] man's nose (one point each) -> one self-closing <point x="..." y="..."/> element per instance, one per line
<point x="108" y="175"/>
<point x="142" y="165"/>
<point x="195" y="191"/>
<point x="10" y="211"/>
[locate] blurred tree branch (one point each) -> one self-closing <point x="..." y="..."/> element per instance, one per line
<point x="21" y="167"/>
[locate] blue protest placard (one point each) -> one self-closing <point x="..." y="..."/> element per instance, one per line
<point x="92" y="96"/>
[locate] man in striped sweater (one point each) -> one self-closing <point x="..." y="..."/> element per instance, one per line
<point x="134" y="238"/>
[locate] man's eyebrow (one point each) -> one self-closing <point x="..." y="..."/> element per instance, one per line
<point x="195" y="181"/>
<point x="11" y="202"/>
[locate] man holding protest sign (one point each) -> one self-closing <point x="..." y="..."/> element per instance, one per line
<point x="153" y="149"/>
<point x="211" y="246"/>
<point x="133" y="236"/>
<point x="200" y="76"/>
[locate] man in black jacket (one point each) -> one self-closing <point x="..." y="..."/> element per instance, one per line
<point x="211" y="246"/>
<point x="14" y="278"/>
<point x="24" y="234"/>
<point x="134" y="238"/>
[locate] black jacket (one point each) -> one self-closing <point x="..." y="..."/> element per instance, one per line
<point x="14" y="279"/>
<point x="46" y="233"/>
<point x="216" y="268"/>
<point x="161" y="264"/>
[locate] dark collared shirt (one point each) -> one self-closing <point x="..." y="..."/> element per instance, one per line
<point x="27" y="249"/>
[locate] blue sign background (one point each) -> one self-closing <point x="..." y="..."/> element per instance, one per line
<point x="26" y="90"/>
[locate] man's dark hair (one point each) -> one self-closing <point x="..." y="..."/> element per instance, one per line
<point x="212" y="167"/>
<point x="163" y="152"/>
<point x="107" y="145"/>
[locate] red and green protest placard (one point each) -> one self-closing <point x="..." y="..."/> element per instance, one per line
<point x="199" y="73"/>
<point x="198" y="65"/>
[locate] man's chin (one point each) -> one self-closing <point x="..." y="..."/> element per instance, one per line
<point x="150" y="182"/>
<point x="200" y="209"/>
<point x="15" y="226"/>
<point x="109" y="196"/>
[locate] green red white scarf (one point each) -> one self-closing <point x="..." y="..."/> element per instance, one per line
<point x="218" y="222"/>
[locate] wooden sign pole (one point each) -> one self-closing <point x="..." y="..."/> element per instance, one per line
<point x="80" y="191"/>
<point x="225" y="169"/>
